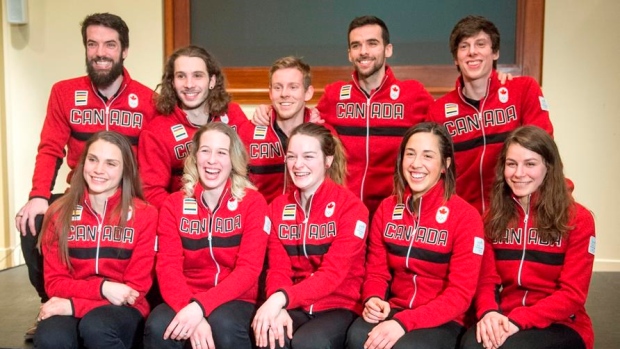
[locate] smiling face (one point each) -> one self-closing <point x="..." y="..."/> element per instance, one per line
<point x="213" y="160"/>
<point x="524" y="171"/>
<point x="103" y="168"/>
<point x="367" y="51"/>
<point x="192" y="82"/>
<point x="422" y="163"/>
<point x="306" y="163"/>
<point x="475" y="57"/>
<point x="288" y="94"/>
<point x="104" y="55"/>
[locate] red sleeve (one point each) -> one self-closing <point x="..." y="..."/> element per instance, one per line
<point x="460" y="286"/>
<point x="486" y="298"/>
<point x="378" y="274"/>
<point x="574" y="280"/>
<point x="59" y="280"/>
<point x="169" y="261"/>
<point x="326" y="108"/>
<point x="534" y="107"/>
<point x="345" y="251"/>
<point x="139" y="272"/>
<point x="249" y="261"/>
<point x="51" y="151"/>
<point x="422" y="100"/>
<point x="155" y="166"/>
<point x="280" y="271"/>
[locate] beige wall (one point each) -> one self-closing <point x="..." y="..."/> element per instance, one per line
<point x="580" y="81"/>
<point x="49" y="48"/>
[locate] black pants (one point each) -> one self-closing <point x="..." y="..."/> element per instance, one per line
<point x="555" y="336"/>
<point x="32" y="257"/>
<point x="109" y="326"/>
<point x="322" y="330"/>
<point x="230" y="326"/>
<point x="442" y="337"/>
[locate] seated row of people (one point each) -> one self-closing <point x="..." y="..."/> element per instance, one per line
<point x="412" y="288"/>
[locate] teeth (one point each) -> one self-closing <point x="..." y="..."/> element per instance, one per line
<point x="286" y="104"/>
<point x="301" y="174"/>
<point x="418" y="175"/>
<point x="211" y="171"/>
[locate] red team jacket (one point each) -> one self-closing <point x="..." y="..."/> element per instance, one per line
<point x="479" y="135"/>
<point x="99" y="251"/>
<point x="317" y="257"/>
<point x="75" y="111"/>
<point x="211" y="256"/>
<point x="429" y="261"/>
<point x="543" y="283"/>
<point x="164" y="145"/>
<point x="371" y="129"/>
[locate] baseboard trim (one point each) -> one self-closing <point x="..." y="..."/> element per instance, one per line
<point x="606" y="265"/>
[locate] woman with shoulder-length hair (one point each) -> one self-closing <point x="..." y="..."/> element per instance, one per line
<point x="540" y="252"/>
<point x="425" y="251"/>
<point x="98" y="246"/>
<point x="212" y="241"/>
<point x="316" y="249"/>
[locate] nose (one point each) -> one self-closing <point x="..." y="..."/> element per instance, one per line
<point x="472" y="50"/>
<point x="520" y="171"/>
<point x="189" y="82"/>
<point x="98" y="167"/>
<point x="417" y="162"/>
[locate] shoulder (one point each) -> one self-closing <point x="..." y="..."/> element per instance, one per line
<point x="580" y="215"/>
<point x="253" y="197"/>
<point x="462" y="209"/>
<point x="68" y="85"/>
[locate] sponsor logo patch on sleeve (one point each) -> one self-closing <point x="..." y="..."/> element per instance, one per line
<point x="76" y="215"/>
<point x="543" y="103"/>
<point x="398" y="211"/>
<point x="345" y="92"/>
<point x="360" y="229"/>
<point x="267" y="225"/>
<point x="81" y="98"/>
<point x="179" y="132"/>
<point x="288" y="213"/>
<point x="260" y="132"/>
<point x="190" y="206"/>
<point x="478" y="246"/>
<point x="592" y="245"/>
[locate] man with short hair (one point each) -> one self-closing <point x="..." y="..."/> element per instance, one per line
<point x="106" y="99"/>
<point x="372" y="112"/>
<point x="290" y="87"/>
<point x="481" y="111"/>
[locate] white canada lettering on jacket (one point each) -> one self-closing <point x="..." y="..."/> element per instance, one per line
<point x="377" y="111"/>
<point x="423" y="235"/>
<point x="469" y="123"/>
<point x="108" y="233"/>
<point x="200" y="226"/>
<point x="117" y="117"/>
<point x="315" y="231"/>
<point x="265" y="150"/>
<point x="181" y="150"/>
<point x="515" y="236"/>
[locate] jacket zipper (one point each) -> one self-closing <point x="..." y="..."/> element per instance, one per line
<point x="305" y="221"/>
<point x="526" y="210"/>
<point x="484" y="137"/>
<point x="210" y="237"/>
<point x="109" y="103"/>
<point x="416" y="223"/>
<point x="99" y="228"/>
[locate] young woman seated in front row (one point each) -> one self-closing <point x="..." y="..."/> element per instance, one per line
<point x="540" y="252"/>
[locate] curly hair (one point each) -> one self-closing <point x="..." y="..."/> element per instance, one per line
<point x="218" y="98"/>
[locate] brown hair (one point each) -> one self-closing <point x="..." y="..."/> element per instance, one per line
<point x="218" y="98"/>
<point x="446" y="150"/>
<point x="110" y="21"/>
<point x="330" y="146"/>
<point x="130" y="186"/>
<point x="554" y="202"/>
<point x="362" y="21"/>
<point x="470" y="26"/>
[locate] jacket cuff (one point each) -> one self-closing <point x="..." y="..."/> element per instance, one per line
<point x="285" y="297"/>
<point x="204" y="313"/>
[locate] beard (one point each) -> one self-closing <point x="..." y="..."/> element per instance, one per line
<point x="103" y="79"/>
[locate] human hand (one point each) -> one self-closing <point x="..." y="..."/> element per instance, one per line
<point x="276" y="332"/>
<point x="26" y="215"/>
<point x="315" y="116"/>
<point x="265" y="318"/>
<point x="384" y="335"/>
<point x="118" y="293"/>
<point x="502" y="77"/>
<point x="185" y="322"/>
<point x="202" y="338"/>
<point x="492" y="330"/>
<point x="375" y="310"/>
<point x="55" y="306"/>
<point x="261" y="116"/>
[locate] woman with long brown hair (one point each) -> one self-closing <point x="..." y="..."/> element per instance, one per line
<point x="98" y="248"/>
<point x="540" y="252"/>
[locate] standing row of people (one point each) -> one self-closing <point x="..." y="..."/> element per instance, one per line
<point x="437" y="263"/>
